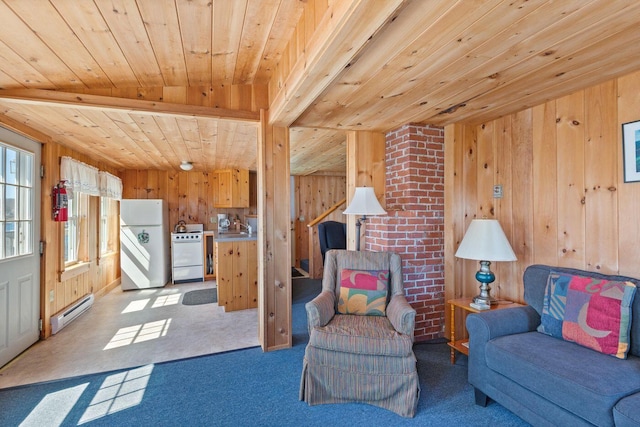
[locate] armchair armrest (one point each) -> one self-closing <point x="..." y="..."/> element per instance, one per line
<point x="401" y="315"/>
<point x="483" y="327"/>
<point x="320" y="310"/>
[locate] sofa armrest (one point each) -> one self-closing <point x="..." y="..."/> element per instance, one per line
<point x="401" y="315"/>
<point x="485" y="326"/>
<point x="320" y="310"/>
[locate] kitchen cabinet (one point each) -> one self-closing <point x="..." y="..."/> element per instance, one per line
<point x="237" y="274"/>
<point x="232" y="188"/>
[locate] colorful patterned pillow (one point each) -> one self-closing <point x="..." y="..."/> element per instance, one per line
<point x="598" y="315"/>
<point x="363" y="292"/>
<point x="553" y="306"/>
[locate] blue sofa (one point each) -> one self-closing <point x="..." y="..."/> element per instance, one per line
<point x="545" y="380"/>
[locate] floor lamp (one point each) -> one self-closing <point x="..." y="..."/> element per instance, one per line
<point x="364" y="203"/>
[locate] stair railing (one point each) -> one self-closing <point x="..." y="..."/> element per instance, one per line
<point x="315" y="256"/>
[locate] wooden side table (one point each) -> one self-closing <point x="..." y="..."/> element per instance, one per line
<point x="462" y="345"/>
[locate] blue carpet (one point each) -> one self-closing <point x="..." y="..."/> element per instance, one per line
<point x="241" y="388"/>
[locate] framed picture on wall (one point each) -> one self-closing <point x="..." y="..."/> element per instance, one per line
<point x="631" y="151"/>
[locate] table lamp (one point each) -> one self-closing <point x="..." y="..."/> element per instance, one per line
<point x="364" y="203"/>
<point x="485" y="241"/>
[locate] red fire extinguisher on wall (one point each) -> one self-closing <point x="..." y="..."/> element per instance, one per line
<point x="60" y="202"/>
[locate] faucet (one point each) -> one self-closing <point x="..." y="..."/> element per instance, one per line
<point x="247" y="227"/>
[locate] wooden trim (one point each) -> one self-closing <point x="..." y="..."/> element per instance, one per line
<point x="274" y="237"/>
<point x="105" y="290"/>
<point x="74" y="270"/>
<point x="102" y="103"/>
<point x="326" y="213"/>
<point x="346" y="27"/>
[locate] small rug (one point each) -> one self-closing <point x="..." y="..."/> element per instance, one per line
<point x="200" y="296"/>
<point x="296" y="273"/>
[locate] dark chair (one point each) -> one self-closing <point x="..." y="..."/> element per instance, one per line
<point x="332" y="235"/>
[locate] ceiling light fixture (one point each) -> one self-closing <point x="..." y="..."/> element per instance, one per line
<point x="186" y="166"/>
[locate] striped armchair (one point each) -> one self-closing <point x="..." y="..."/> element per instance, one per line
<point x="361" y="358"/>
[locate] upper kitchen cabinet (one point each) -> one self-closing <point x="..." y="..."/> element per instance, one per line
<point x="231" y="188"/>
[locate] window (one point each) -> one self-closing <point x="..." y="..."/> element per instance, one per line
<point x="91" y="229"/>
<point x="108" y="225"/>
<point x="16" y="202"/>
<point x="76" y="230"/>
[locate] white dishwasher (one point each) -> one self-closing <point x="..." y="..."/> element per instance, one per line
<point x="187" y="255"/>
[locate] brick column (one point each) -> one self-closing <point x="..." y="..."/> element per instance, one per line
<point x="414" y="227"/>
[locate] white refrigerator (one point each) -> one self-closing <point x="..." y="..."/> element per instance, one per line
<point x="144" y="244"/>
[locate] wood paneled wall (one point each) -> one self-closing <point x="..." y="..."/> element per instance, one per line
<point x="314" y="194"/>
<point x="100" y="276"/>
<point x="366" y="167"/>
<point x="565" y="201"/>
<point x="189" y="195"/>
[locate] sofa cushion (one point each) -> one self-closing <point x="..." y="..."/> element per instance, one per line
<point x="363" y="292"/>
<point x="598" y="314"/>
<point x="626" y="413"/>
<point x="553" y="306"/>
<point x="556" y="370"/>
<point x="361" y="334"/>
<point x="535" y="281"/>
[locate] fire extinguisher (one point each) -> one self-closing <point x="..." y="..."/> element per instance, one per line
<point x="60" y="202"/>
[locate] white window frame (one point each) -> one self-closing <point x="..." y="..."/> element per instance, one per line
<point x="76" y="230"/>
<point x="108" y="207"/>
<point x="22" y="169"/>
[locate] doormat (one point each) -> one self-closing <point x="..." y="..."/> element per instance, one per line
<point x="200" y="296"/>
<point x="296" y="273"/>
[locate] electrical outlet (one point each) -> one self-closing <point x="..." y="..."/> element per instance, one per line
<point x="212" y="220"/>
<point x="51" y="296"/>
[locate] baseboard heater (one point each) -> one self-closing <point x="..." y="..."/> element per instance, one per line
<point x="61" y="320"/>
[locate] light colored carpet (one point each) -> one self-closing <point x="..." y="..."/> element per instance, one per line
<point x="133" y="328"/>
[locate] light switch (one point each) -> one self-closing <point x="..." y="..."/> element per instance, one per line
<point x="497" y="191"/>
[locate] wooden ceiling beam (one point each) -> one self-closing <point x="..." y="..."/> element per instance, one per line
<point x="106" y="103"/>
<point x="346" y="27"/>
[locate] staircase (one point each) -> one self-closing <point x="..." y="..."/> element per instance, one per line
<point x="314" y="266"/>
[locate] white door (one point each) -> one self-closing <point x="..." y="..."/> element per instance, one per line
<point x="19" y="248"/>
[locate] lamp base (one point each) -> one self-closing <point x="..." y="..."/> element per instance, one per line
<point x="482" y="300"/>
<point x="485" y="277"/>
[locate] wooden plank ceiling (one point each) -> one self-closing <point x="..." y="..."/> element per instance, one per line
<point x="435" y="61"/>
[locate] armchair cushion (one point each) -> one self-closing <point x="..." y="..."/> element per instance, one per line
<point x="363" y="292"/>
<point x="372" y="335"/>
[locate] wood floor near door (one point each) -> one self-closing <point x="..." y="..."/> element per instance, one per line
<point x="132" y="328"/>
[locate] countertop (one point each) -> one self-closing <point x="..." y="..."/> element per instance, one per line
<point x="231" y="237"/>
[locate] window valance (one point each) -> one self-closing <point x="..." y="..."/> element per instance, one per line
<point x="110" y="186"/>
<point x="87" y="179"/>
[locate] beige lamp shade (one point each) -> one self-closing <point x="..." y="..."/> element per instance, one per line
<point x="485" y="241"/>
<point x="364" y="202"/>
